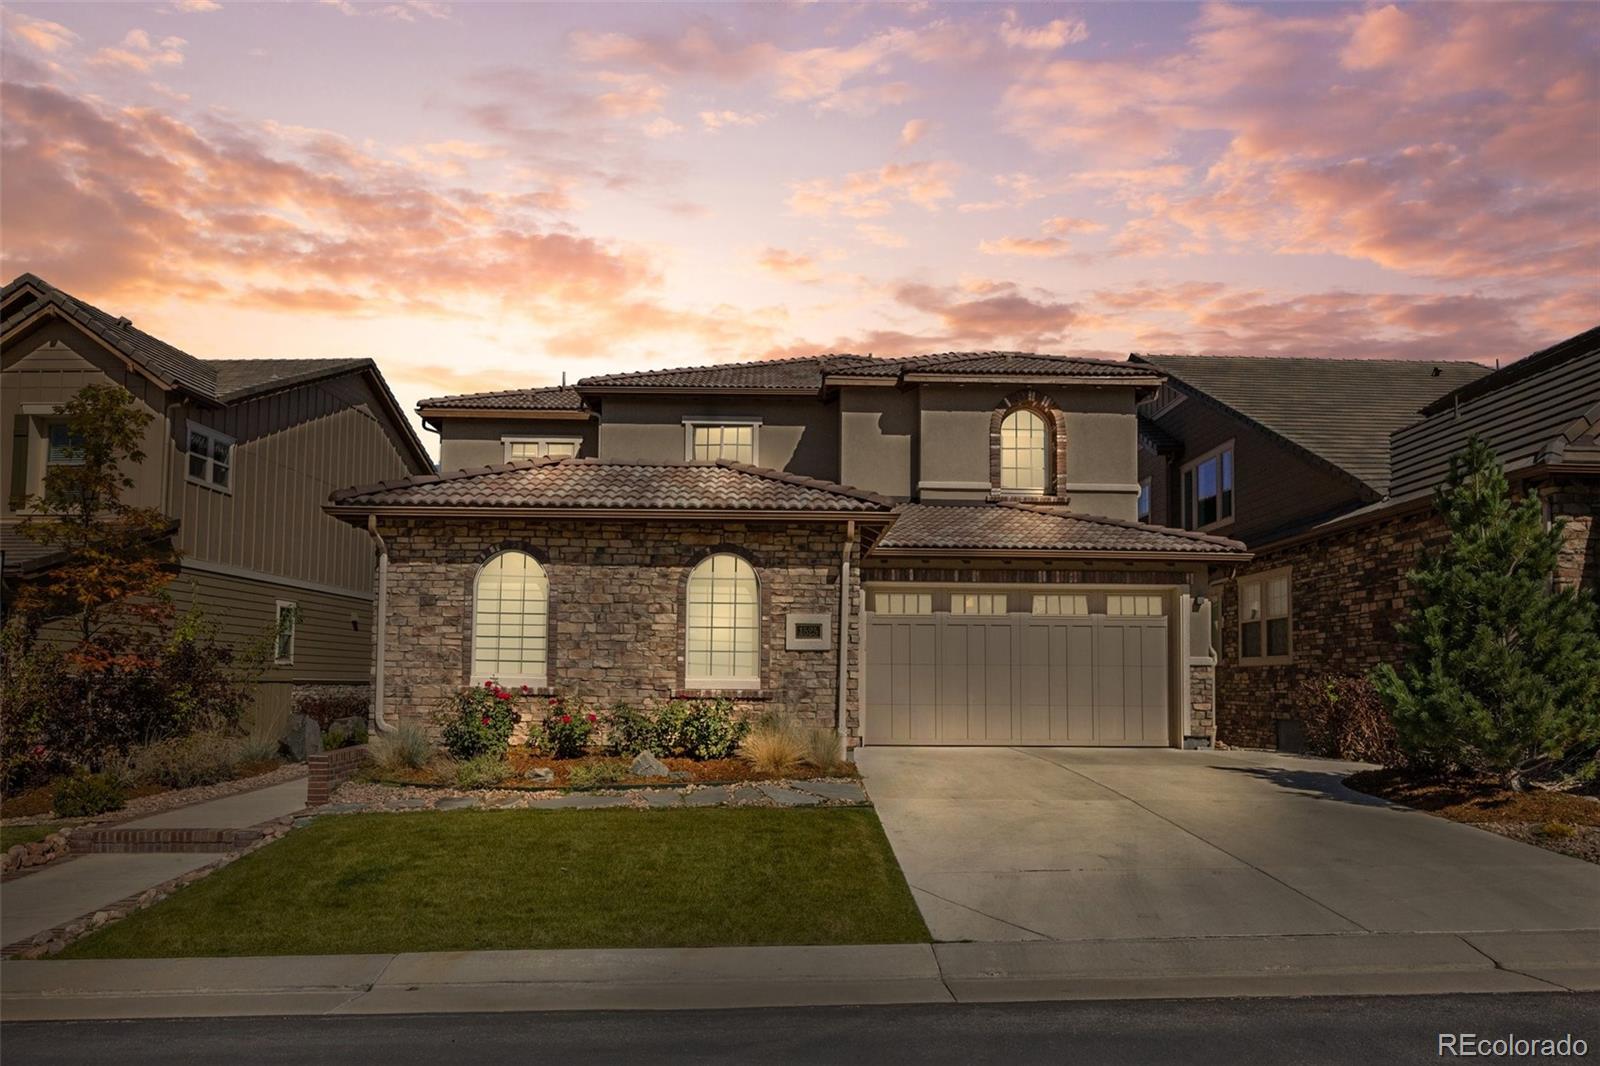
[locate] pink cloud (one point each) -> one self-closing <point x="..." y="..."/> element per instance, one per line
<point x="138" y="52"/>
<point x="869" y="193"/>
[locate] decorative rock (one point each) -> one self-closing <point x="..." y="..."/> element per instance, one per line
<point x="745" y="794"/>
<point x="303" y="738"/>
<point x="680" y="775"/>
<point x="542" y="774"/>
<point x="660" y="797"/>
<point x="100" y="918"/>
<point x="645" y="764"/>
<point x="587" y="801"/>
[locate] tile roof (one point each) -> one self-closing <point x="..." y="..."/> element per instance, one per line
<point x="553" y="398"/>
<point x="1339" y="410"/>
<point x="1031" y="527"/>
<point x="1022" y="364"/>
<point x="604" y="484"/>
<point x="802" y="373"/>
<point x="245" y="377"/>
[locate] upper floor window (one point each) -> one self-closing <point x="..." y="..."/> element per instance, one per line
<point x="1208" y="489"/>
<point x="1024" y="447"/>
<point x="1144" y="499"/>
<point x="540" y="447"/>
<point x="285" y="617"/>
<point x="1264" y="617"/>
<point x="210" y="458"/>
<point x="510" y="620"/>
<point x="731" y="439"/>
<point x="66" y="447"/>
<point x="722" y="627"/>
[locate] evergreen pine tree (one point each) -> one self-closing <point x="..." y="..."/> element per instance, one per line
<point x="1502" y="667"/>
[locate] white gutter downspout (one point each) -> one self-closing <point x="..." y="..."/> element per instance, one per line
<point x="844" y="639"/>
<point x="380" y="626"/>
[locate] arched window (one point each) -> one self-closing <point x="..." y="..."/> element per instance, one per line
<point x="1024" y="450"/>
<point x="510" y="620"/>
<point x="722" y="630"/>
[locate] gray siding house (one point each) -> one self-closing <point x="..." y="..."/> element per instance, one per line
<point x="242" y="454"/>
<point x="936" y="550"/>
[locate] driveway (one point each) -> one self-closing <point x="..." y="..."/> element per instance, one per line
<point x="1104" y="843"/>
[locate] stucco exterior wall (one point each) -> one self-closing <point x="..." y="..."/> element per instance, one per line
<point x="471" y="442"/>
<point x="798" y="434"/>
<point x="616" y="607"/>
<point x="877" y="440"/>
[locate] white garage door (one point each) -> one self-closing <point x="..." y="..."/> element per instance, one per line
<point x="1015" y="678"/>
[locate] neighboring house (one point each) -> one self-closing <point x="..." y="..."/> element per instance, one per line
<point x="935" y="550"/>
<point x="1325" y="468"/>
<point x="241" y="454"/>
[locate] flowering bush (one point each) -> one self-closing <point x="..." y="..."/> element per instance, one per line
<point x="699" y="729"/>
<point x="710" y="730"/>
<point x="630" y="731"/>
<point x="479" y="720"/>
<point x="569" y="724"/>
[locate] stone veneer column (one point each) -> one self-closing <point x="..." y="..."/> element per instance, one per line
<point x="1202" y="701"/>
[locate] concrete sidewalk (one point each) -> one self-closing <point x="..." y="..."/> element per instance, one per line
<point x="684" y="978"/>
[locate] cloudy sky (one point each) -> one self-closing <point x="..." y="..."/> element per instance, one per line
<point x="486" y="195"/>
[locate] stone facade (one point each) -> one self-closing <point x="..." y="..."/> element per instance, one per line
<point x="616" y="607"/>
<point x="1202" y="701"/>
<point x="1348" y="595"/>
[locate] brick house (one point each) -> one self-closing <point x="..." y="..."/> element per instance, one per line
<point x="935" y="550"/>
<point x="1325" y="469"/>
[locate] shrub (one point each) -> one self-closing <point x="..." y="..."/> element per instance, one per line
<point x="259" y="750"/>
<point x="328" y="708"/>
<point x="597" y="774"/>
<point x="85" y="795"/>
<point x="630" y="731"/>
<point x="1344" y="718"/>
<point x="710" y="730"/>
<point x="184" y="762"/>
<point x="773" y="746"/>
<point x="822" y="749"/>
<point x="407" y="746"/>
<point x="345" y="737"/>
<point x="482" y="771"/>
<point x="478" y="721"/>
<point x="568" y="726"/>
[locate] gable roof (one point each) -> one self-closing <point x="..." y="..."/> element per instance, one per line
<point x="552" y="398"/>
<point x="1341" y="411"/>
<point x="241" y="378"/>
<point x="614" y="485"/>
<point x="1530" y="412"/>
<point x="1014" y="526"/>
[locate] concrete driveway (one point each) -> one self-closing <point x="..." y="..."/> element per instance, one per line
<point x="1100" y="843"/>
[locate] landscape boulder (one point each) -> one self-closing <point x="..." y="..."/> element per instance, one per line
<point x="645" y="764"/>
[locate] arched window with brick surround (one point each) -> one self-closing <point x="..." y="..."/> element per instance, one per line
<point x="1024" y="452"/>
<point x="722" y="624"/>
<point x="510" y="620"/>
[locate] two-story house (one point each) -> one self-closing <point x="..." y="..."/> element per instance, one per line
<point x="934" y="550"/>
<point x="240" y="454"/>
<point x="1326" y="468"/>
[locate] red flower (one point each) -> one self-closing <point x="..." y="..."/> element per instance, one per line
<point x="566" y="719"/>
<point x="488" y="684"/>
<point x="485" y="719"/>
<point x="591" y="718"/>
<point x="554" y="701"/>
<point x="526" y="691"/>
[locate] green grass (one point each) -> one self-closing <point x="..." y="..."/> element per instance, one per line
<point x="11" y="835"/>
<point x="464" y="880"/>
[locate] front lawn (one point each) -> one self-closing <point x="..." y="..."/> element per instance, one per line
<point x="12" y="835"/>
<point x="474" y="880"/>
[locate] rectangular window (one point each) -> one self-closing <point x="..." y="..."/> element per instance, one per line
<point x="709" y="441"/>
<point x="1061" y="603"/>
<point x="66" y="447"/>
<point x="977" y="603"/>
<point x="285" y="617"/>
<point x="210" y="458"/>
<point x="1144" y="499"/>
<point x="1264" y="617"/>
<point x="541" y="447"/>
<point x="902" y="603"/>
<point x="1208" y="489"/>
<point x="1134" y="606"/>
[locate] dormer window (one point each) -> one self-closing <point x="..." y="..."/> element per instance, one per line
<point x="1024" y="452"/>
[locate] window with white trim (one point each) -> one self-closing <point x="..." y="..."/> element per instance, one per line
<point x="1061" y="603"/>
<point x="977" y="603"/>
<point x="1024" y="449"/>
<point x="541" y="447"/>
<point x="285" y="615"/>
<point x="210" y="458"/>
<point x="1265" y="629"/>
<point x="1133" y="605"/>
<point x="710" y="441"/>
<point x="1144" y="499"/>
<point x="510" y="621"/>
<point x="902" y="603"/>
<point x="722" y="626"/>
<point x="1208" y="489"/>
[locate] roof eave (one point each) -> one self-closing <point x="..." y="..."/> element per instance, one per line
<point x="48" y="308"/>
<point x="1036" y="379"/>
<point x="357" y="513"/>
<point x="697" y="390"/>
<point x="518" y="413"/>
<point x="1061" y="553"/>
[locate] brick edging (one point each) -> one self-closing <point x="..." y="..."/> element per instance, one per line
<point x="102" y="841"/>
<point x="327" y="770"/>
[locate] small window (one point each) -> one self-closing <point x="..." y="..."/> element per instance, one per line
<point x="1208" y="490"/>
<point x="210" y="458"/>
<point x="977" y="603"/>
<point x="1062" y="603"/>
<point x="1134" y="606"/>
<point x="710" y="441"/>
<point x="66" y="447"/>
<point x="1264" y="617"/>
<point x="541" y="447"/>
<point x="902" y="602"/>
<point x="1144" y="499"/>
<point x="722" y="631"/>
<point x="1024" y="446"/>
<point x="284" y="619"/>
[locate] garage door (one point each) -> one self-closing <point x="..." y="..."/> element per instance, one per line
<point x="1015" y="678"/>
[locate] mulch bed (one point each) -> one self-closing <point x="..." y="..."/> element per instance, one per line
<point x="38" y="801"/>
<point x="1565" y="822"/>
<point x="704" y="771"/>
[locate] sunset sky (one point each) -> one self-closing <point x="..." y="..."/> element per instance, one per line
<point x="483" y="196"/>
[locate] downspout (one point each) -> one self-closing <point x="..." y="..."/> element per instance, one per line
<point x="380" y="625"/>
<point x="844" y="639"/>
